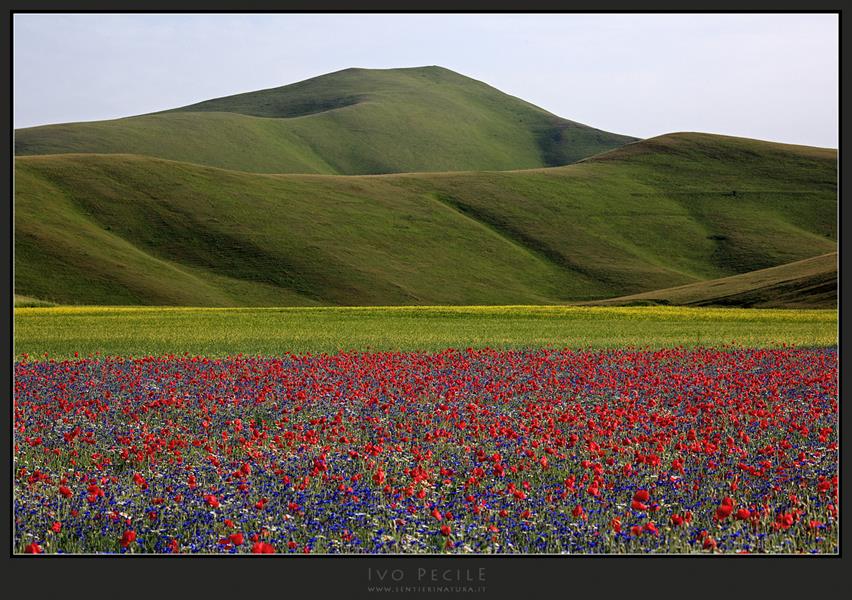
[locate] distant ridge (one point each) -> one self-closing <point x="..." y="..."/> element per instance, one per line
<point x="351" y="122"/>
<point x="809" y="283"/>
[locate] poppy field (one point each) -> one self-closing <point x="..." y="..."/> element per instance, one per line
<point x="595" y="451"/>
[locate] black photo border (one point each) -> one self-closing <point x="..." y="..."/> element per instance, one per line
<point x="518" y="577"/>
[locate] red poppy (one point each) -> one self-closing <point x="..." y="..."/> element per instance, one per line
<point x="616" y="525"/>
<point x="651" y="528"/>
<point x="236" y="539"/>
<point x="742" y="514"/>
<point x="636" y="530"/>
<point x="445" y="530"/>
<point x="784" y="521"/>
<point x="33" y="549"/>
<point x="641" y="496"/>
<point x="379" y="477"/>
<point x="263" y="548"/>
<point x="56" y="527"/>
<point x="128" y="537"/>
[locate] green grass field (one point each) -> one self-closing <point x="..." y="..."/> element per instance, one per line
<point x="134" y="230"/>
<point x="355" y="121"/>
<point x="136" y="331"/>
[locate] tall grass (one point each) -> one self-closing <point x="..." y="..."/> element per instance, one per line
<point x="60" y="332"/>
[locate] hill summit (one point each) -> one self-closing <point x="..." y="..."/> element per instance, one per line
<point x="350" y="122"/>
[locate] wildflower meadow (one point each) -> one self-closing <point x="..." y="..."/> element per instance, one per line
<point x="544" y="451"/>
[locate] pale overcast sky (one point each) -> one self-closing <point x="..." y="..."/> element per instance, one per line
<point x="772" y="77"/>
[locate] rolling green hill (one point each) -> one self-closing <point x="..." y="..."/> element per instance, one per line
<point x="809" y="283"/>
<point x="664" y="212"/>
<point x="355" y="121"/>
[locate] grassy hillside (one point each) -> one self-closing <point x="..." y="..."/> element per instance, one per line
<point x="356" y="121"/>
<point x="682" y="208"/>
<point x="27" y="302"/>
<point x="809" y="283"/>
<point x="140" y="331"/>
